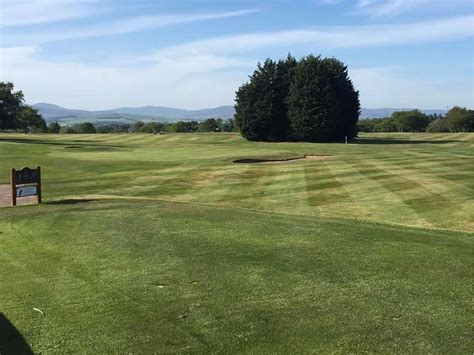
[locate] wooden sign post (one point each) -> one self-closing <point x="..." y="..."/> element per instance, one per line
<point x="25" y="183"/>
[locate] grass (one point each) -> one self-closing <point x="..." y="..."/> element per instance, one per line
<point x="161" y="244"/>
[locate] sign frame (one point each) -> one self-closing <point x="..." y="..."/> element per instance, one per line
<point x="25" y="178"/>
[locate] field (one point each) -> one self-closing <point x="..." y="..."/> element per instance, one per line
<point x="161" y="243"/>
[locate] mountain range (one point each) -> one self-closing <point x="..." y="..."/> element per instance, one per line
<point x="63" y="115"/>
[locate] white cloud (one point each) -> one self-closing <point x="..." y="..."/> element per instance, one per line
<point x="188" y="82"/>
<point x="339" y="37"/>
<point x="128" y="25"/>
<point x="396" y="7"/>
<point x="206" y="73"/>
<point x="29" y="12"/>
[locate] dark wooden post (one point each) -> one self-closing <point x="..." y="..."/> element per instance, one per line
<point x="13" y="186"/>
<point x="39" y="184"/>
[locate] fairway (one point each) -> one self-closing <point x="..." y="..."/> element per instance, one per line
<point x="162" y="243"/>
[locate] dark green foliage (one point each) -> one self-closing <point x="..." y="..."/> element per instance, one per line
<point x="15" y="115"/>
<point x="11" y="104"/>
<point x="183" y="127"/>
<point x="310" y="100"/>
<point x="438" y="125"/>
<point x="229" y="125"/>
<point x="460" y="119"/>
<point x="410" y="121"/>
<point x="210" y="125"/>
<point x="347" y="98"/>
<point x="29" y="120"/>
<point x="86" y="127"/>
<point x="314" y="112"/>
<point x="113" y="128"/>
<point x="54" y="127"/>
<point x="261" y="104"/>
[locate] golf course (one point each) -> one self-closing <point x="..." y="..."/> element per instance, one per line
<point x="209" y="243"/>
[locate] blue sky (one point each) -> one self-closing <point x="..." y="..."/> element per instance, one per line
<point x="100" y="54"/>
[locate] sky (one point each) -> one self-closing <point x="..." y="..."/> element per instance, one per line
<point x="192" y="54"/>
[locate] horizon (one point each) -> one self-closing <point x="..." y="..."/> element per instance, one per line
<point x="193" y="55"/>
<point x="215" y="107"/>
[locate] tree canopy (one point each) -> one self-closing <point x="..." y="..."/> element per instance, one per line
<point x="312" y="99"/>
<point x="15" y="115"/>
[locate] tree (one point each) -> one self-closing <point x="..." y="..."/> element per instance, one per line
<point x="410" y="121"/>
<point x="186" y="126"/>
<point x="209" y="125"/>
<point x="137" y="126"/>
<point x="54" y="127"/>
<point x="86" y="127"/>
<point x="346" y="96"/>
<point x="261" y="106"/>
<point x="460" y="119"/>
<point x="439" y="125"/>
<point x="30" y="120"/>
<point x="254" y="103"/>
<point x="314" y="112"/>
<point x="308" y="100"/>
<point x="11" y="104"/>
<point x="229" y="125"/>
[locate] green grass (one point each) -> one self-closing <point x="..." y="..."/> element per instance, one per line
<point x="161" y="244"/>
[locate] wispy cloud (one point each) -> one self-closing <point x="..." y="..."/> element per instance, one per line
<point x="31" y="12"/>
<point x="387" y="8"/>
<point x="338" y="37"/>
<point x="187" y="82"/>
<point x="123" y="26"/>
<point x="197" y="82"/>
<point x="396" y="7"/>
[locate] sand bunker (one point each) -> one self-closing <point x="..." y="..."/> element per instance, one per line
<point x="280" y="161"/>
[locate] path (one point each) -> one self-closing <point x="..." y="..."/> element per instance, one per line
<point x="5" y="197"/>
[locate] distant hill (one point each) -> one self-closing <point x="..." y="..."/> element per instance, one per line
<point x="166" y="114"/>
<point x="129" y="114"/>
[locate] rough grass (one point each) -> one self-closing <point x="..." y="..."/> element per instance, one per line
<point x="161" y="244"/>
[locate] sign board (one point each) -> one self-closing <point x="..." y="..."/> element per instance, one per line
<point x="25" y="182"/>
<point x="27" y="176"/>
<point x="26" y="191"/>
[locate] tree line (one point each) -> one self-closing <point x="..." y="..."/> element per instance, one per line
<point x="311" y="99"/>
<point x="457" y="119"/>
<point x="208" y="125"/>
<point x="15" y="116"/>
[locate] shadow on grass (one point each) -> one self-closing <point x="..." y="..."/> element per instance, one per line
<point x="11" y="340"/>
<point x="67" y="144"/>
<point x="257" y="161"/>
<point x="389" y="140"/>
<point x="71" y="201"/>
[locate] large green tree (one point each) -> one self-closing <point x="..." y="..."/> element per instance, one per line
<point x="314" y="112"/>
<point x="308" y="100"/>
<point x="261" y="104"/>
<point x="410" y="121"/>
<point x="30" y="120"/>
<point x="11" y="104"/>
<point x="347" y="98"/>
<point x="460" y="119"/>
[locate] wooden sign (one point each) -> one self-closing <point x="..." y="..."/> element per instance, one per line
<point x="25" y="183"/>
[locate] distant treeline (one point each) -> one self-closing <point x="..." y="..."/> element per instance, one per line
<point x="457" y="119"/>
<point x="209" y="125"/>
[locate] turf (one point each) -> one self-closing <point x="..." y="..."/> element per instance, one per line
<point x="161" y="244"/>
